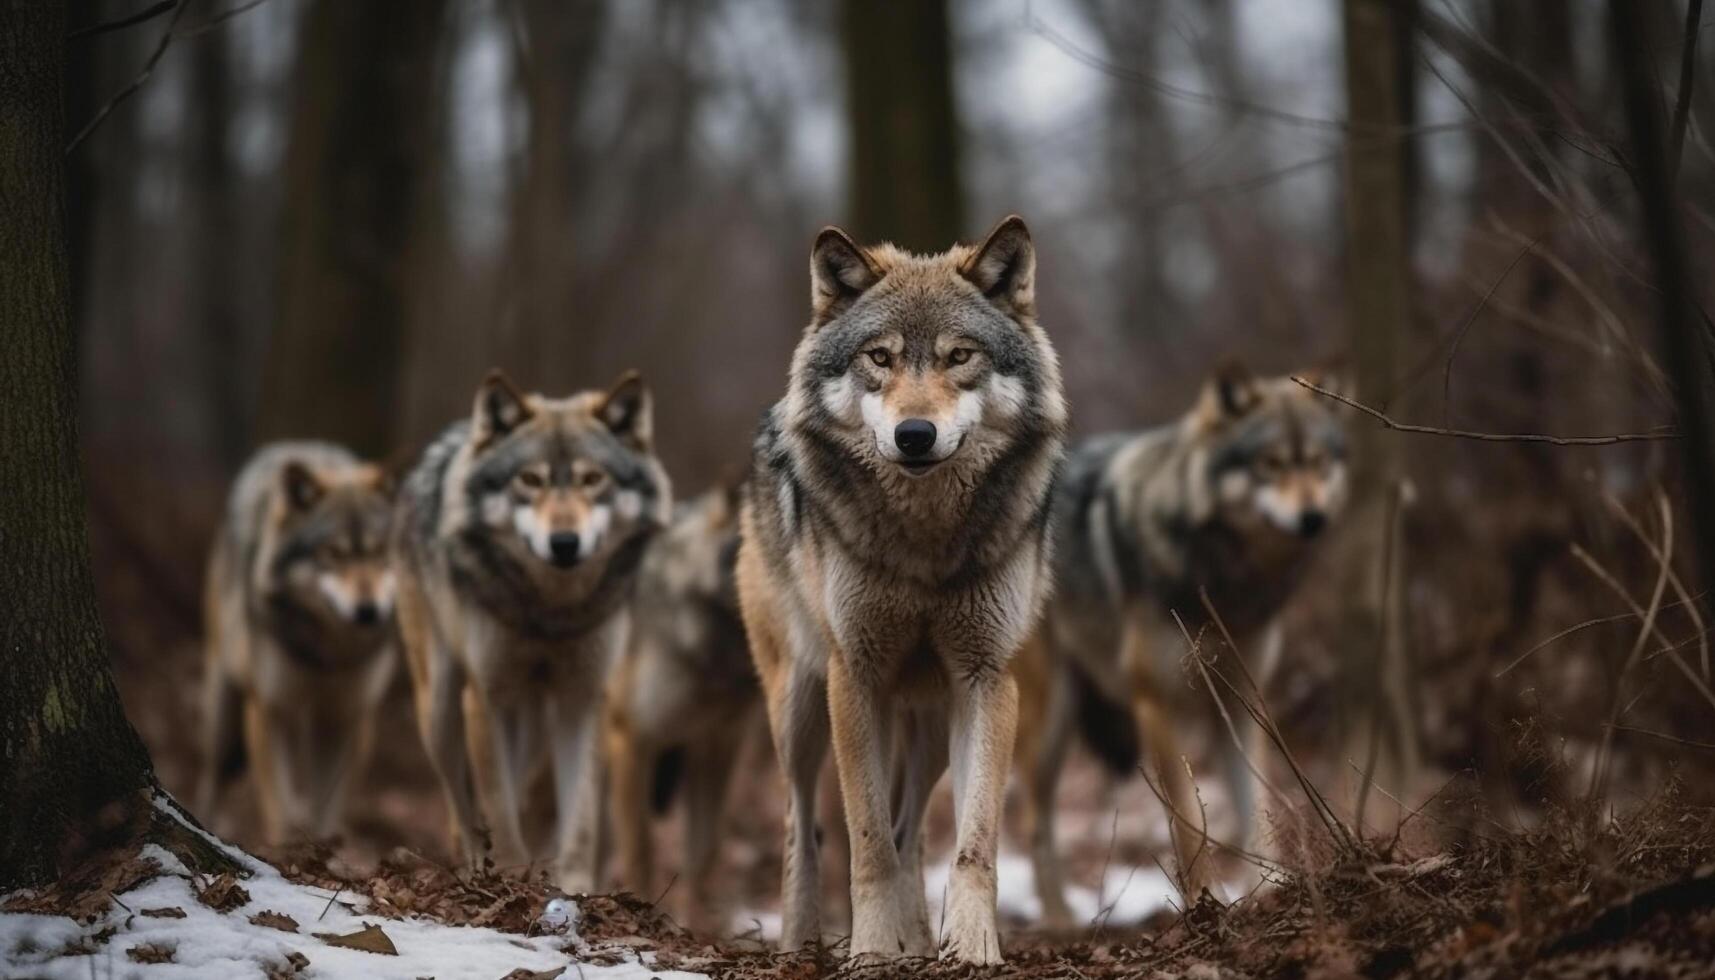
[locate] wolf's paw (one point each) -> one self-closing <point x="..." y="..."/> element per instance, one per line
<point x="884" y="926"/>
<point x="972" y="937"/>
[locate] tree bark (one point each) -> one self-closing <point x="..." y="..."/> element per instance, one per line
<point x="67" y="753"/>
<point x="1378" y="311"/>
<point x="361" y="126"/>
<point x="905" y="180"/>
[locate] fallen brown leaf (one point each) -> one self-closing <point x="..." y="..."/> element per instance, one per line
<point x="369" y="939"/>
<point x="223" y="893"/>
<point x="150" y="953"/>
<point x="274" y="920"/>
<point x="523" y="974"/>
<point x="170" y="912"/>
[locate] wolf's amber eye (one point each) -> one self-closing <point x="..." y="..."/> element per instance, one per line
<point x="530" y="479"/>
<point x="880" y="356"/>
<point x="593" y="478"/>
<point x="959" y="355"/>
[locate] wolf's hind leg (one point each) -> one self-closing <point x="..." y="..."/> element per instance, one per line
<point x="1044" y="735"/>
<point x="798" y="720"/>
<point x="984" y="721"/>
<point x="631" y="763"/>
<point x="222" y="741"/>
<point x="922" y="760"/>
<point x="709" y="771"/>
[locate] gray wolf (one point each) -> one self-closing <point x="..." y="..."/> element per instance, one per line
<point x="1233" y="498"/>
<point x="517" y="540"/>
<point x="299" y="614"/>
<point x="684" y="697"/>
<point x="895" y="556"/>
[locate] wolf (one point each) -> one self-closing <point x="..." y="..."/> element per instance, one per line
<point x="298" y="605"/>
<point x="517" y="539"/>
<point x="894" y="556"/>
<point x="685" y="695"/>
<point x="1232" y="499"/>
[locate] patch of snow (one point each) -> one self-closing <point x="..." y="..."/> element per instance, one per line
<point x="1128" y="895"/>
<point x="210" y="945"/>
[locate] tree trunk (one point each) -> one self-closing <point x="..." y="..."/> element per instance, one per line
<point x="1378" y="312"/>
<point x="557" y="55"/>
<point x="905" y="181"/>
<point x="361" y="126"/>
<point x="67" y="754"/>
<point x="1685" y="335"/>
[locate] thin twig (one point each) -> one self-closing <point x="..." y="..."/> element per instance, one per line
<point x="1599" y="773"/>
<point x="1614" y="585"/>
<point x="1675" y="739"/>
<point x="1673" y="579"/>
<point x="1430" y="430"/>
<point x="217" y="20"/>
<point x="119" y="24"/>
<point x="132" y="86"/>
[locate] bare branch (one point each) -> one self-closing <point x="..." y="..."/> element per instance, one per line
<point x="1431" y="430"/>
<point x="119" y="24"/>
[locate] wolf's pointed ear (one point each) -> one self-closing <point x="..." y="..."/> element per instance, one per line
<point x="626" y="411"/>
<point x="1004" y="267"/>
<point x="1230" y="393"/>
<point x="301" y="486"/>
<point x="840" y="271"/>
<point x="500" y="408"/>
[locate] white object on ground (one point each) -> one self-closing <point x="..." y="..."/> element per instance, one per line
<point x="210" y="945"/>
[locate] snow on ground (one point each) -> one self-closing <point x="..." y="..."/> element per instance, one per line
<point x="1129" y="895"/>
<point x="210" y="945"/>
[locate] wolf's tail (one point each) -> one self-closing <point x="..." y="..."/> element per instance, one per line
<point x="1108" y="729"/>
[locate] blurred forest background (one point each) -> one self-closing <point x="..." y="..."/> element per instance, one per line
<point x="325" y="218"/>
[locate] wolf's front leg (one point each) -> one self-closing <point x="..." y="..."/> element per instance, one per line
<point x="882" y="911"/>
<point x="574" y="722"/>
<point x="984" y="717"/>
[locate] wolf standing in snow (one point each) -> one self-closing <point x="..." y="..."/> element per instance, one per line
<point x="299" y="609"/>
<point x="1232" y="499"/>
<point x="895" y="555"/>
<point x="518" y="537"/>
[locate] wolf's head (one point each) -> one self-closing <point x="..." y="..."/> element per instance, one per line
<point x="1275" y="452"/>
<point x="559" y="480"/>
<point x="925" y="365"/>
<point x="330" y="534"/>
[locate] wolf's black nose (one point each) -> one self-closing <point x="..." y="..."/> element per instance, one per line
<point x="366" y="614"/>
<point x="1311" y="523"/>
<point x="564" y="546"/>
<point x="914" y="437"/>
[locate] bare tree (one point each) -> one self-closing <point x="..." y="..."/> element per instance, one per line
<point x="904" y="123"/>
<point x="1378" y="310"/>
<point x="361" y="129"/>
<point x="71" y="766"/>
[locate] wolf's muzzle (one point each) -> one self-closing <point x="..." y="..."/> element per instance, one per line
<point x="366" y="614"/>
<point x="563" y="546"/>
<point x="914" y="437"/>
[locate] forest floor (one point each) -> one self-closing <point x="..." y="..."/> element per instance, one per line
<point x="1576" y="896"/>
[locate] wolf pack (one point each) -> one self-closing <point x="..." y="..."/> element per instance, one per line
<point x="918" y="570"/>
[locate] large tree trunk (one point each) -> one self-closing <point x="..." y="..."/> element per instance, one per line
<point x="905" y="185"/>
<point x="1378" y="312"/>
<point x="67" y="754"/>
<point x="557" y="56"/>
<point x="361" y="127"/>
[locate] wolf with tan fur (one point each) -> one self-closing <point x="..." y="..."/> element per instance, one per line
<point x="517" y="541"/>
<point x="299" y="610"/>
<point x="895" y="556"/>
